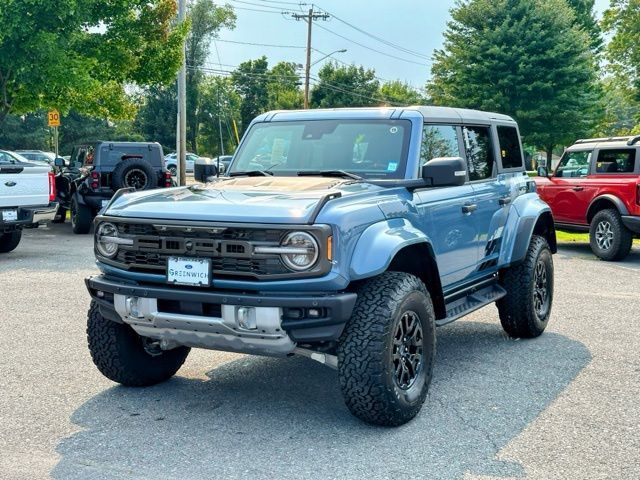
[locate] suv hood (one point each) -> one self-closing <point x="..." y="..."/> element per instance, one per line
<point x="244" y="199"/>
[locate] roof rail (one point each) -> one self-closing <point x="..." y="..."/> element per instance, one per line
<point x="603" y="139"/>
<point x="633" y="140"/>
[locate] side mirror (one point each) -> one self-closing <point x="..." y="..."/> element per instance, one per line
<point x="445" y="172"/>
<point x="543" y="172"/>
<point x="59" y="162"/>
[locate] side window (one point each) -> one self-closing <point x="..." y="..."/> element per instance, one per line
<point x="477" y="142"/>
<point x="439" y="141"/>
<point x="4" y="158"/>
<point x="510" y="151"/>
<point x="616" y="161"/>
<point x="574" y="164"/>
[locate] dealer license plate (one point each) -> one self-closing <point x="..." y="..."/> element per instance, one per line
<point x="9" y="215"/>
<point x="189" y="271"/>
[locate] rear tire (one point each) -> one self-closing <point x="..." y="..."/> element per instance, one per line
<point x="9" y="241"/>
<point x="386" y="352"/>
<point x="120" y="355"/>
<point x="525" y="310"/>
<point x="81" y="217"/>
<point x="610" y="240"/>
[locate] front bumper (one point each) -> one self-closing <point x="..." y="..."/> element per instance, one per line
<point x="631" y="222"/>
<point x="192" y="309"/>
<point x="29" y="216"/>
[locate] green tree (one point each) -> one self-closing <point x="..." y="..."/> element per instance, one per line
<point x="81" y="53"/>
<point x="345" y="86"/>
<point x="525" y="58"/>
<point x="283" y="87"/>
<point x="220" y="110"/>
<point x="207" y="20"/>
<point x="251" y="80"/>
<point x="157" y="116"/>
<point x="586" y="19"/>
<point x="621" y="110"/>
<point x="400" y="93"/>
<point x="622" y="21"/>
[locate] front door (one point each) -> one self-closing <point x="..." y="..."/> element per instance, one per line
<point x="568" y="193"/>
<point x="447" y="213"/>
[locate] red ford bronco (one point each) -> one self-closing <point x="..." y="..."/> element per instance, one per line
<point x="596" y="188"/>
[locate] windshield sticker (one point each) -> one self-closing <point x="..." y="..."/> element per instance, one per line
<point x="393" y="130"/>
<point x="392" y="167"/>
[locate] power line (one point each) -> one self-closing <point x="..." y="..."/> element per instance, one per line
<point x="262" y="44"/>
<point x="370" y="48"/>
<point x="283" y="3"/>
<point x="382" y="40"/>
<point x="258" y="10"/>
<point x="261" y="5"/>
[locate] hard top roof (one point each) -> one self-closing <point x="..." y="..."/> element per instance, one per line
<point x="430" y="113"/>
<point x="607" y="142"/>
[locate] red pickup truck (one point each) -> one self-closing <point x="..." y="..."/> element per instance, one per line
<point x="596" y="188"/>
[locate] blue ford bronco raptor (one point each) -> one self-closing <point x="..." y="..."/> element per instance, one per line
<point x="342" y="235"/>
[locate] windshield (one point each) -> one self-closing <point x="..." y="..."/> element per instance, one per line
<point x="367" y="148"/>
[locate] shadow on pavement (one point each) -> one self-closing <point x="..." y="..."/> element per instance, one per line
<point x="267" y="418"/>
<point x="583" y="251"/>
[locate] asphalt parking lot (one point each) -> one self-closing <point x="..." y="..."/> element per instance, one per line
<point x="562" y="406"/>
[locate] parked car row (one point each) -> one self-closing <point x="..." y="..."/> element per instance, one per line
<point x="171" y="162"/>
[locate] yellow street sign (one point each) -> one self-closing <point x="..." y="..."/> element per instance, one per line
<point x="54" y="118"/>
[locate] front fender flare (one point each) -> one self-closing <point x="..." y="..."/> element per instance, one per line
<point x="378" y="245"/>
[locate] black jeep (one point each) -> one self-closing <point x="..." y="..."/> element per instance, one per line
<point x="96" y="171"/>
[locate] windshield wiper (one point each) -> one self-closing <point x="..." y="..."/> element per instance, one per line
<point x="252" y="173"/>
<point x="328" y="173"/>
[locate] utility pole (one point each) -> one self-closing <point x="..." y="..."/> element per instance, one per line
<point x="309" y="18"/>
<point x="181" y="137"/>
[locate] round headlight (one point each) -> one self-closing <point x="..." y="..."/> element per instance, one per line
<point x="303" y="251"/>
<point x="105" y="234"/>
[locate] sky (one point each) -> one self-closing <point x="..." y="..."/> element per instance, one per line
<point x="413" y="25"/>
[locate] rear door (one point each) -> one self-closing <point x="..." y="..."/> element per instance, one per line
<point x="498" y="152"/>
<point x="22" y="184"/>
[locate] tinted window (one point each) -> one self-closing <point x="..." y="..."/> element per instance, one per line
<point x="374" y="149"/>
<point x="4" y="158"/>
<point x="574" y="164"/>
<point x="616" y="161"/>
<point x="510" y="147"/>
<point x="477" y="143"/>
<point x="439" y="141"/>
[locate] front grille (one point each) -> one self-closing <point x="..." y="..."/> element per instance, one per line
<point x="231" y="250"/>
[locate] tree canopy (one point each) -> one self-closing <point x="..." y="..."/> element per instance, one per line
<point x="345" y="86"/>
<point x="81" y="53"/>
<point x="526" y="58"/>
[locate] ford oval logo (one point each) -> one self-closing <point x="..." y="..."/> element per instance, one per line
<point x="188" y="267"/>
<point x="10" y="184"/>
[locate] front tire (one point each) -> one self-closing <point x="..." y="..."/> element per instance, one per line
<point x="610" y="240"/>
<point x="9" y="241"/>
<point x="386" y="352"/>
<point x="525" y="309"/>
<point x="81" y="217"/>
<point x="120" y="353"/>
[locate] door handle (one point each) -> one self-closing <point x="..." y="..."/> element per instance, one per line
<point x="469" y="207"/>
<point x="504" y="201"/>
<point x="577" y="189"/>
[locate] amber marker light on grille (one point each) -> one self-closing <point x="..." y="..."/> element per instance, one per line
<point x="329" y="248"/>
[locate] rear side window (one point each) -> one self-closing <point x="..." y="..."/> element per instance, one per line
<point x="616" y="161"/>
<point x="510" y="151"/>
<point x="477" y="143"/>
<point x="439" y="141"/>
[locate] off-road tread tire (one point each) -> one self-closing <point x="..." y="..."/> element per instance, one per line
<point x="82" y="224"/>
<point x="516" y="308"/>
<point x="117" y="351"/>
<point x="623" y="238"/>
<point x="61" y="215"/>
<point x="119" y="173"/>
<point x="9" y="241"/>
<point x="362" y="346"/>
